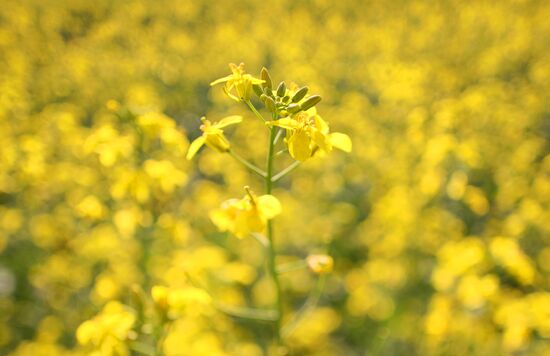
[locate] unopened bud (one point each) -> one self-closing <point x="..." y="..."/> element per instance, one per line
<point x="299" y="95"/>
<point x="281" y="89"/>
<point x="293" y="108"/>
<point x="268" y="92"/>
<point x="310" y="102"/>
<point x="257" y="89"/>
<point x="266" y="78"/>
<point x="263" y="98"/>
<point x="270" y="103"/>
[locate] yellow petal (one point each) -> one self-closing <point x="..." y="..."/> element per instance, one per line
<point x="322" y="140"/>
<point x="87" y="331"/>
<point x="217" y="141"/>
<point x="341" y="141"/>
<point x="222" y="219"/>
<point x="269" y="206"/>
<point x="227" y="91"/>
<point x="298" y="146"/>
<point x="321" y="124"/>
<point x="222" y="80"/>
<point x="312" y="111"/>
<point x="286" y="123"/>
<point x="246" y="222"/>
<point x="195" y="146"/>
<point x="230" y="120"/>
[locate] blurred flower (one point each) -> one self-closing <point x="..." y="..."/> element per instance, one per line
<point x="175" y="302"/>
<point x="109" y="330"/>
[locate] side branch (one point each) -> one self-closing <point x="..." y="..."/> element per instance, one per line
<point x="256" y="112"/>
<point x="249" y="165"/>
<point x="285" y="171"/>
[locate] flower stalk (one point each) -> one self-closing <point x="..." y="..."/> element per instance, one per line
<point x="270" y="235"/>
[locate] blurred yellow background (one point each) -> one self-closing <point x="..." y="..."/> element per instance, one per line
<point x="438" y="221"/>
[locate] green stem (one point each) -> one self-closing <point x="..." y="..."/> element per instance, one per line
<point x="291" y="266"/>
<point x="285" y="171"/>
<point x="309" y="304"/>
<point x="248" y="313"/>
<point x="249" y="165"/>
<point x="256" y="112"/>
<point x="271" y="251"/>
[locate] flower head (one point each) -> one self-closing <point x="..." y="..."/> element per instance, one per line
<point x="307" y="134"/>
<point x="175" y="302"/>
<point x="108" y="330"/>
<point x="212" y="135"/>
<point x="238" y="85"/>
<point x="247" y="215"/>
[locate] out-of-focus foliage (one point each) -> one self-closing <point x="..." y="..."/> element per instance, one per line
<point x="438" y="222"/>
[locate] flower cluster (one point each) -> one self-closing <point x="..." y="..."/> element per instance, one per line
<point x="439" y="218"/>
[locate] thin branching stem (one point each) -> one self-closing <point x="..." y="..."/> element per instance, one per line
<point x="308" y="305"/>
<point x="278" y="136"/>
<point x="291" y="266"/>
<point x="285" y="171"/>
<point x="253" y="109"/>
<point x="249" y="165"/>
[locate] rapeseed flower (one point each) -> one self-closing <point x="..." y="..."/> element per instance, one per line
<point x="212" y="135"/>
<point x="175" y="302"/>
<point x="109" y="330"/>
<point x="247" y="215"/>
<point x="307" y="134"/>
<point x="238" y="80"/>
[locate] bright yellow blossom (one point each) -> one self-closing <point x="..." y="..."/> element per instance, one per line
<point x="176" y="301"/>
<point x="241" y="82"/>
<point x="247" y="215"/>
<point x="212" y="135"/>
<point x="308" y="134"/>
<point x="109" y="330"/>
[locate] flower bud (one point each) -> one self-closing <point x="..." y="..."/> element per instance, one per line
<point x="310" y="102"/>
<point x="266" y="78"/>
<point x="299" y="95"/>
<point x="270" y="103"/>
<point x="281" y="89"/>
<point x="257" y="89"/>
<point x="293" y="108"/>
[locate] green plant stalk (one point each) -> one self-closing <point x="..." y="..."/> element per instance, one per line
<point x="253" y="109"/>
<point x="271" y="251"/>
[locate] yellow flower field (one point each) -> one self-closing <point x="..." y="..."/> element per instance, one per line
<point x="390" y="197"/>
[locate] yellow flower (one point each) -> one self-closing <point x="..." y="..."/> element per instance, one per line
<point x="109" y="330"/>
<point x="176" y="302"/>
<point x="241" y="82"/>
<point x="212" y="135"/>
<point x="247" y="215"/>
<point x="320" y="264"/>
<point x="308" y="134"/>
